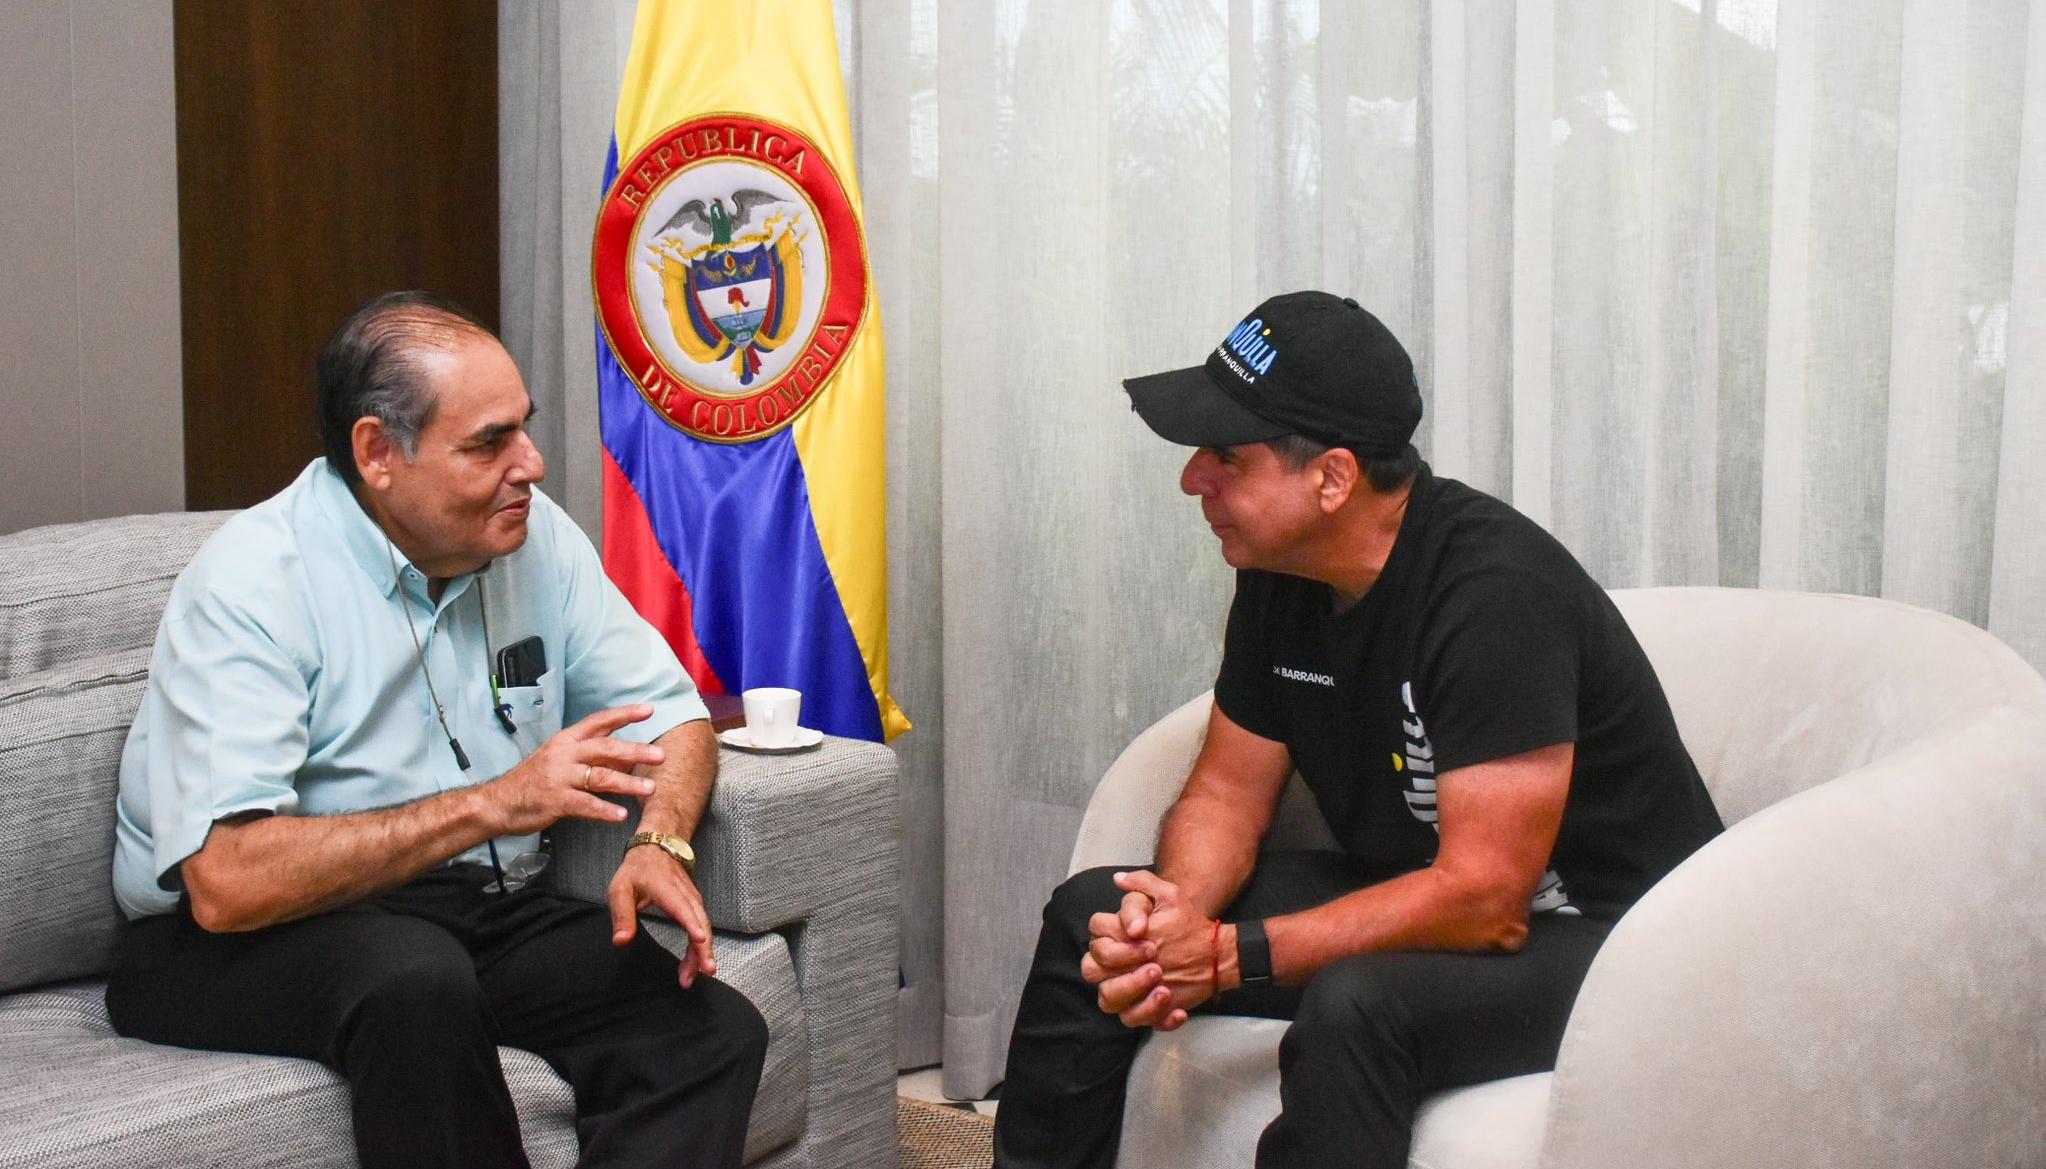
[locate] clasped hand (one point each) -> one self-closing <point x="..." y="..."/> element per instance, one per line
<point x="1154" y="959"/>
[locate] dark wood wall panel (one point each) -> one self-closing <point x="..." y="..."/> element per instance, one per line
<point x="328" y="150"/>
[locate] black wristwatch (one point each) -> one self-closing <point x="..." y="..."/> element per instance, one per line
<point x="1253" y="954"/>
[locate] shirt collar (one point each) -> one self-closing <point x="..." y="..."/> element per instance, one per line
<point x="365" y="542"/>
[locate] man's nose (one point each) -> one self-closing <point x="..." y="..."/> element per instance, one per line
<point x="1198" y="478"/>
<point x="530" y="466"/>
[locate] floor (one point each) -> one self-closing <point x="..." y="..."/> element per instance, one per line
<point x="928" y="1084"/>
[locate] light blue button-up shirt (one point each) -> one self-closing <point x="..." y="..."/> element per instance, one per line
<point x="284" y="680"/>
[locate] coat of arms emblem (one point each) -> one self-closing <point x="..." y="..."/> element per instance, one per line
<point x="730" y="275"/>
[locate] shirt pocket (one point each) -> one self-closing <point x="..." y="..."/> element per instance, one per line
<point x="535" y="710"/>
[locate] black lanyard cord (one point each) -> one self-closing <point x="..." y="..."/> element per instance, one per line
<point x="440" y="712"/>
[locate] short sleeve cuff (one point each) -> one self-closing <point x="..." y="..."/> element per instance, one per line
<point x="1247" y="712"/>
<point x="149" y="894"/>
<point x="669" y="713"/>
<point x="1450" y="757"/>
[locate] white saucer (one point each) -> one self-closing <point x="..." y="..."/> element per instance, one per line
<point x="806" y="738"/>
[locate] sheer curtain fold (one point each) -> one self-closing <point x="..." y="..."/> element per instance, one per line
<point x="1790" y="225"/>
<point x="1741" y="292"/>
<point x="2017" y="579"/>
<point x="1532" y="327"/>
<point x="559" y="67"/>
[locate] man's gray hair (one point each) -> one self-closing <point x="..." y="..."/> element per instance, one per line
<point x="370" y="368"/>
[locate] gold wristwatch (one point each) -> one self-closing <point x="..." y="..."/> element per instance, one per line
<point x="674" y="846"/>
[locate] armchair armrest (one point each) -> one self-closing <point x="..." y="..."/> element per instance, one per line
<point x="1123" y="816"/>
<point x="1849" y="977"/>
<point x="1121" y="824"/>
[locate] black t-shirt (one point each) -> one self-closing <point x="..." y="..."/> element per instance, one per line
<point x="1481" y="639"/>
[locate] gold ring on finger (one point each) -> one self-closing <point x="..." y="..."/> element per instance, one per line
<point x="584" y="782"/>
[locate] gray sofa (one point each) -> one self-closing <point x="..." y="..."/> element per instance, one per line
<point x="798" y="869"/>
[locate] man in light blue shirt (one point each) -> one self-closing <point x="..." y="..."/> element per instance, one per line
<point x="370" y="696"/>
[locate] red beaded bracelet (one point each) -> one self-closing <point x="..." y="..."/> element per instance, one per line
<point x="1215" y="946"/>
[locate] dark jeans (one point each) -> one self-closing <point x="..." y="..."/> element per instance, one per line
<point x="408" y="994"/>
<point x="1372" y="1035"/>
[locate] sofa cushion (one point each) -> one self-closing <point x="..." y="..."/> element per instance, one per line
<point x="1201" y="1095"/>
<point x="74" y="1094"/>
<point x="75" y="591"/>
<point x="61" y="732"/>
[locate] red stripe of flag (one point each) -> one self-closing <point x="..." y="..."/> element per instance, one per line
<point x="635" y="563"/>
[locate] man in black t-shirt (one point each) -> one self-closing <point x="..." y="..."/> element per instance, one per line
<point x="1484" y="736"/>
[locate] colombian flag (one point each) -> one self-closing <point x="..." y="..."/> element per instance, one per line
<point x="739" y="361"/>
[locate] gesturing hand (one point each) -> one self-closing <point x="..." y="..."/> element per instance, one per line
<point x="649" y="876"/>
<point x="560" y="779"/>
<point x="1177" y="973"/>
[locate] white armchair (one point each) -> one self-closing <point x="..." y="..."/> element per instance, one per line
<point x="1853" y="975"/>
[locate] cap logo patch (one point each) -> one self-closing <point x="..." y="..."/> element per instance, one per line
<point x="1248" y="343"/>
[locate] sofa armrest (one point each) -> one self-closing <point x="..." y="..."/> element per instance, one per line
<point x="1848" y="977"/>
<point x="804" y="844"/>
<point x="782" y="835"/>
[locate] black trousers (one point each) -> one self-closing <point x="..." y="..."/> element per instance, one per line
<point x="1372" y="1035"/>
<point x="408" y="994"/>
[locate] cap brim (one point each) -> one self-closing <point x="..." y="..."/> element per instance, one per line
<point x="1185" y="406"/>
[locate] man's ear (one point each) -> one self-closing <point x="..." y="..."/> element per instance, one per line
<point x="374" y="451"/>
<point x="1339" y="476"/>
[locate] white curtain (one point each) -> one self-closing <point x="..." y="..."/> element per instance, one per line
<point x="1747" y="292"/>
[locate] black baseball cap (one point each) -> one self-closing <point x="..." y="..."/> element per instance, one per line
<point x="1307" y="363"/>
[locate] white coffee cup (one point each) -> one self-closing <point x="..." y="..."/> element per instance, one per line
<point x="771" y="714"/>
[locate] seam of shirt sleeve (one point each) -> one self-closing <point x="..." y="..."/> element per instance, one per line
<point x="1520" y="744"/>
<point x="669" y="713"/>
<point x="191" y="832"/>
<point x="1256" y="726"/>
